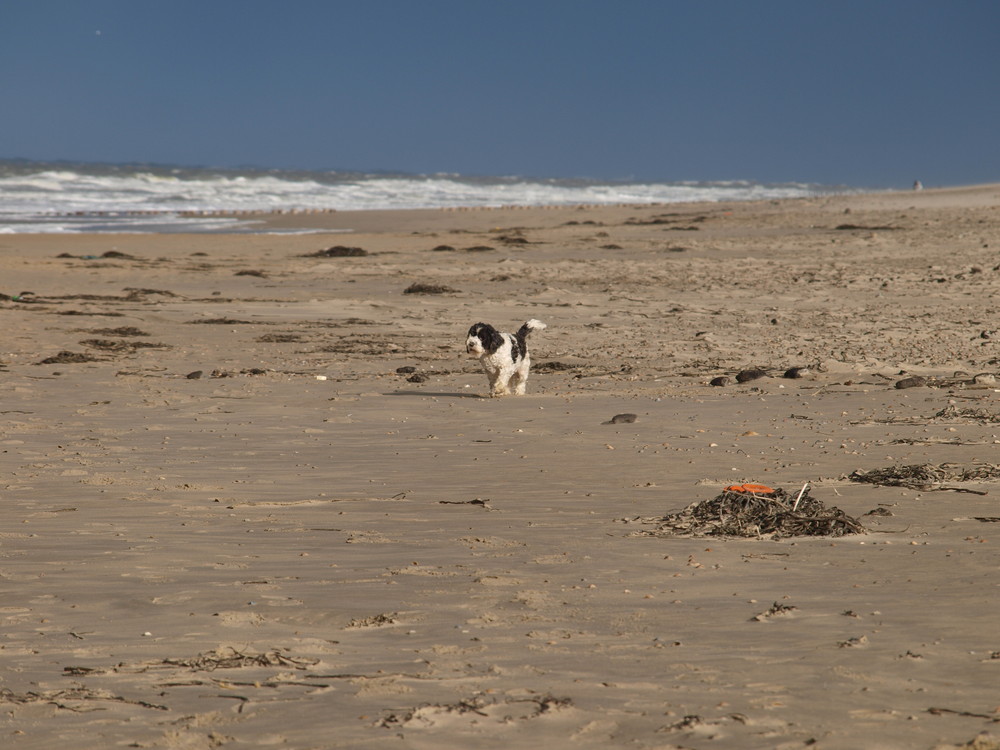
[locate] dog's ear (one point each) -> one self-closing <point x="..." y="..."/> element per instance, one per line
<point x="488" y="336"/>
<point x="491" y="337"/>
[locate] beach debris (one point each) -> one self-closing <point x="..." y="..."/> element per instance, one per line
<point x="231" y="658"/>
<point x="482" y="502"/>
<point x="929" y="476"/>
<point x="108" y="254"/>
<point x="65" y="358"/>
<point x="338" y="251"/>
<point x="421" y="288"/>
<point x="405" y="370"/>
<point x="22" y="297"/>
<point x="375" y="621"/>
<point x="860" y="227"/>
<point x="60" y="698"/>
<point x="756" y="511"/>
<point x="745" y="376"/>
<point x="443" y="249"/>
<point x="120" y="331"/>
<point x="913" y="382"/>
<point x="259" y="274"/>
<point x="856" y="642"/>
<point x="720" y="381"/>
<point x="776" y="610"/>
<point x="280" y="338"/>
<point x="555" y="367"/>
<point x="514" y="239"/>
<point x="879" y="512"/>
<point x="982" y="741"/>
<point x="194" y="375"/>
<point x="797" y="372"/>
<point x="108" y="345"/>
<point x="222" y="322"/>
<point x="976" y="415"/>
<point x="501" y="710"/>
<point x="622" y="419"/>
<point x="479" y="249"/>
<point x="417" y="378"/>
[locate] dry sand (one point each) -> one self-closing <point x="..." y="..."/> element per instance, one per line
<point x="302" y="548"/>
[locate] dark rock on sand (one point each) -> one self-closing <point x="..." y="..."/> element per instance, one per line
<point x="745" y="376"/>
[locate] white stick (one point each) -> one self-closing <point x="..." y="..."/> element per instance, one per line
<point x="801" y="493"/>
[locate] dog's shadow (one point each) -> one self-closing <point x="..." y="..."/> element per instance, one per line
<point x="437" y="394"/>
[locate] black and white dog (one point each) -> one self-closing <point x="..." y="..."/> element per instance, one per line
<point x="504" y="356"/>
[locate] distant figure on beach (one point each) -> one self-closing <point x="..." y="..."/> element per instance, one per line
<point x="918" y="185"/>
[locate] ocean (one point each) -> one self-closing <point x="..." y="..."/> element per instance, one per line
<point x="71" y="197"/>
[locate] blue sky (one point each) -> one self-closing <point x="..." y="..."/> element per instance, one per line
<point x="868" y="93"/>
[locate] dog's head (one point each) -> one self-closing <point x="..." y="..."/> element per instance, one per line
<point x="483" y="339"/>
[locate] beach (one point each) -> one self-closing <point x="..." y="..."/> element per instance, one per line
<point x="255" y="496"/>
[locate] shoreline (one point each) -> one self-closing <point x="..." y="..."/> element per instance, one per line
<point x="290" y="220"/>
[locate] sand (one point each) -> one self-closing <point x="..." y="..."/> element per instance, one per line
<point x="306" y="547"/>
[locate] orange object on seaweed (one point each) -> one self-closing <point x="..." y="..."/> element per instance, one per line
<point x="753" y="489"/>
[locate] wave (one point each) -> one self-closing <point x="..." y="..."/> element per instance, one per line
<point x="36" y="196"/>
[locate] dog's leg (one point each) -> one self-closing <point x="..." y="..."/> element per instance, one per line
<point x="499" y="388"/>
<point x="498" y="383"/>
<point x="519" y="380"/>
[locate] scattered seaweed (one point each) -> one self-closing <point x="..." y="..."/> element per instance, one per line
<point x="338" y="251"/>
<point x="375" y="621"/>
<point x="739" y="513"/>
<point x="555" y="367"/>
<point x="231" y="658"/>
<point x="120" y="331"/>
<point x="280" y="338"/>
<point x="420" y="288"/>
<point x="109" y="345"/>
<point x="928" y="476"/>
<point x="221" y="322"/>
<point x="58" y="698"/>
<point x="67" y="358"/>
<point x="983" y="416"/>
<point x="501" y="710"/>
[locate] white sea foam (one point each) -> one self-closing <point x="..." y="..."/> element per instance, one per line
<point x="37" y="197"/>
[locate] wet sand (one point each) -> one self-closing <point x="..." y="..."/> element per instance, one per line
<point x="331" y="538"/>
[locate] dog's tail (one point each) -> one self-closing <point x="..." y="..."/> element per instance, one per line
<point x="531" y="325"/>
<point x="523" y="331"/>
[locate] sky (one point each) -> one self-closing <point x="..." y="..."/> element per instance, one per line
<point x="863" y="93"/>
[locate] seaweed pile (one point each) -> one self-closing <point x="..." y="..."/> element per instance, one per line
<point x="757" y="513"/>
